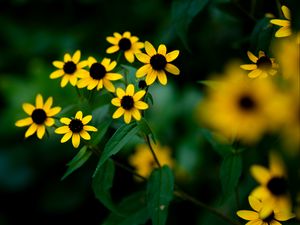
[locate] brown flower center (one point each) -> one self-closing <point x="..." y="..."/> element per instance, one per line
<point x="39" y="116"/>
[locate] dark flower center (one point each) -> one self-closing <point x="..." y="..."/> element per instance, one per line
<point x="158" y="62"/>
<point x="264" y="63"/>
<point x="277" y="186"/>
<point x="97" y="71"/>
<point x="127" y="102"/>
<point x="269" y="218"/>
<point x="76" y="125"/>
<point x="69" y="67"/>
<point x="142" y="84"/>
<point x="39" y="116"/>
<point x="124" y="44"/>
<point x="247" y="103"/>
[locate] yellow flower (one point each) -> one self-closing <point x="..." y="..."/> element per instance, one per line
<point x="263" y="216"/>
<point x="75" y="128"/>
<point x="70" y="69"/>
<point x="262" y="67"/>
<point x="143" y="162"/>
<point x="40" y="116"/>
<point x="157" y="63"/>
<point x="126" y="43"/>
<point x="129" y="103"/>
<point x="273" y="186"/>
<point x="285" y="24"/>
<point x="99" y="75"/>
<point x="241" y="108"/>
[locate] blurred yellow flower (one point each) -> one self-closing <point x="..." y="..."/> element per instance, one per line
<point x="125" y="43"/>
<point x="129" y="103"/>
<point x="40" y="116"/>
<point x="262" y="214"/>
<point x="157" y="63"/>
<point x="285" y="24"/>
<point x="143" y="162"/>
<point x="99" y="75"/>
<point x="75" y="128"/>
<point x="241" y="108"/>
<point x="262" y="67"/>
<point x="70" y="69"/>
<point x="273" y="186"/>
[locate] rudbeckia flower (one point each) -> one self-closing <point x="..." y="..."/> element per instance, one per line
<point x="70" y="69"/>
<point x="75" y="128"/>
<point x="263" y="216"/>
<point x="273" y="183"/>
<point x="157" y="63"/>
<point x="125" y="43"/>
<point x="99" y="75"/>
<point x="143" y="162"/>
<point x="129" y="103"/>
<point x="40" y="116"/>
<point x="285" y="24"/>
<point x="262" y="67"/>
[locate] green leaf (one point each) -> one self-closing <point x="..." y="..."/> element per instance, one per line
<point x="102" y="129"/>
<point x="122" y="135"/>
<point x="102" y="183"/>
<point x="159" y="194"/>
<point x="80" y="158"/>
<point x="145" y="128"/>
<point x="134" y="208"/>
<point x="231" y="169"/>
<point x="183" y="12"/>
<point x="150" y="98"/>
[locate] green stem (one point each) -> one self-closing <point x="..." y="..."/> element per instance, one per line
<point x="279" y="9"/>
<point x="152" y="151"/>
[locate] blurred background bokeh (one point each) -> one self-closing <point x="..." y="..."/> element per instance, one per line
<point x="33" y="33"/>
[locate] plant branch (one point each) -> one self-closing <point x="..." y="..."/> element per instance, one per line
<point x="152" y="151"/>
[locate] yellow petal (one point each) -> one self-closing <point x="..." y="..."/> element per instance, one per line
<point x="255" y="203"/>
<point x="172" y="55"/>
<point x="261" y="54"/>
<point x="260" y="192"/>
<point x="130" y="90"/>
<point x="66" y="137"/>
<point x="108" y="85"/>
<point x="141" y="105"/>
<point x="112" y="40"/>
<point x="137" y="96"/>
<point x="48" y="104"/>
<point x="100" y="85"/>
<point x="247" y="214"/>
<point x="112" y="49"/>
<point x="85" y="135"/>
<point x="28" y="108"/>
<point x="127" y="116"/>
<point x="76" y="56"/>
<point x="120" y="93"/>
<point x="274" y="222"/>
<point x="126" y="34"/>
<point x="64" y="81"/>
<point x="56" y="74"/>
<point x="161" y="75"/>
<point x="284" y="215"/>
<point x="286" y="12"/>
<point x="116" y="102"/>
<point x="67" y="57"/>
<point x="129" y="56"/>
<point x="118" y="113"/>
<point x="58" y="64"/>
<point x="73" y="80"/>
<point x="117" y="35"/>
<point x="90" y="128"/>
<point x="39" y="101"/>
<point x="136" y="114"/>
<point x="150" y="49"/>
<point x="91" y="60"/>
<point x="283" y="32"/>
<point x="252" y="57"/>
<point x="151" y="77"/>
<point x="249" y="66"/>
<point x="78" y="115"/>
<point x="113" y="76"/>
<point x="87" y="119"/>
<point x="24" y="122"/>
<point x="49" y="122"/>
<point x="41" y="131"/>
<point x="92" y="84"/>
<point x="111" y="66"/>
<point x="256" y="222"/>
<point x="143" y="70"/>
<point x="260" y="174"/>
<point x="276" y="165"/>
<point x="142" y="57"/>
<point x="76" y="140"/>
<point x="53" y="111"/>
<point x="65" y="120"/>
<point x="162" y="49"/>
<point x="30" y="131"/>
<point x="62" y="130"/>
<point x="254" y="73"/>
<point x="172" y="69"/>
<point x="82" y="64"/>
<point x="283" y="23"/>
